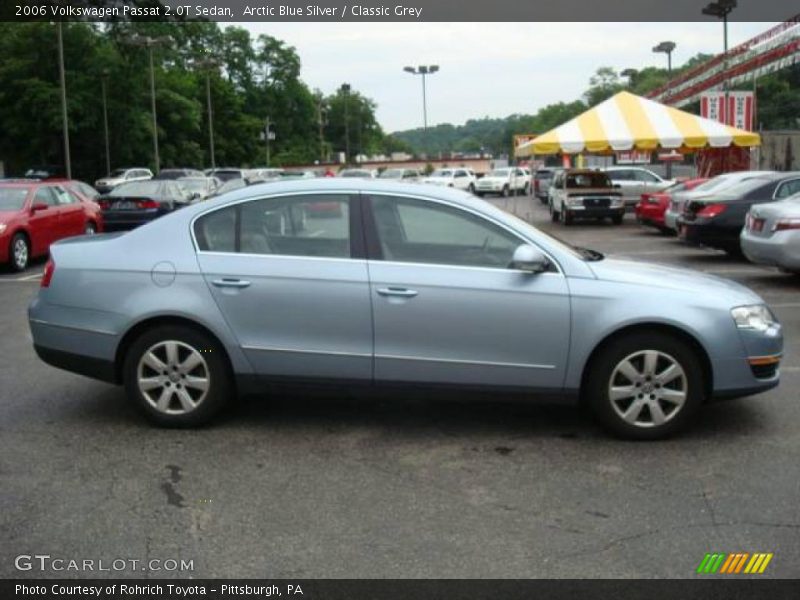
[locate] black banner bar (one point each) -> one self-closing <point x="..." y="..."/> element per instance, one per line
<point x="732" y="588"/>
<point x="391" y="10"/>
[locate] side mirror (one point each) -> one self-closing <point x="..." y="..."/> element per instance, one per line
<point x="529" y="258"/>
<point x="37" y="206"/>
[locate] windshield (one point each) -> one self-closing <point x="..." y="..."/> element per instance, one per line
<point x="136" y="188"/>
<point x="392" y="174"/>
<point x="13" y="198"/>
<point x="354" y="174"/>
<point x="232" y="184"/>
<point x="588" y="180"/>
<point x="499" y="173"/>
<point x="442" y="173"/>
<point x="118" y="173"/>
<point x="194" y="185"/>
<point x="743" y="187"/>
<point x="544" y="174"/>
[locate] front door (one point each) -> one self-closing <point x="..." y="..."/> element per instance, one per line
<point x="289" y="276"/>
<point x="43" y="221"/>
<point x="449" y="309"/>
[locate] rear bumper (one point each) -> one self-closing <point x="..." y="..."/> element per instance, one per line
<point x="707" y="234"/>
<point x="781" y="249"/>
<point x="96" y="368"/>
<point x="650" y="214"/>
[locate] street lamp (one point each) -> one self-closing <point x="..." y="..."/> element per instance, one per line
<point x="630" y="74"/>
<point x="208" y="64"/>
<point x="63" y="81"/>
<point x="149" y="43"/>
<point x="721" y="9"/>
<point x="345" y="89"/>
<point x="104" y="74"/>
<point x="424" y="71"/>
<point x="667" y="48"/>
<point x="322" y="121"/>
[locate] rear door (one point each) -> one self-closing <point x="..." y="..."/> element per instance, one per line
<point x="44" y="222"/>
<point x="447" y="307"/>
<point x="290" y="276"/>
<point x="71" y="215"/>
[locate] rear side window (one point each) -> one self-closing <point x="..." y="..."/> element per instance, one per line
<point x="788" y="188"/>
<point x="307" y="225"/>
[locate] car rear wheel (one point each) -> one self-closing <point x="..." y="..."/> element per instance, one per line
<point x="554" y="216"/>
<point x="177" y="376"/>
<point x="505" y="192"/>
<point x="90" y="229"/>
<point x="645" y="386"/>
<point x="617" y="219"/>
<point x="19" y="252"/>
<point x="566" y="217"/>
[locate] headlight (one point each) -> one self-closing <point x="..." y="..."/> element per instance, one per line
<point x="3" y="227"/>
<point x="757" y="317"/>
<point x="575" y="200"/>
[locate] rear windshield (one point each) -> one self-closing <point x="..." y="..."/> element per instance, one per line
<point x="137" y="188"/>
<point x="744" y="187"/>
<point x="544" y="173"/>
<point x="13" y="198"/>
<point x="588" y="180"/>
<point x="392" y="174"/>
<point x="499" y="173"/>
<point x="442" y="173"/>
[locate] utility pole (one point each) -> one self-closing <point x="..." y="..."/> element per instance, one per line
<point x="424" y="71"/>
<point x="321" y="121"/>
<point x="209" y="64"/>
<point x="64" y="117"/>
<point x="103" y="81"/>
<point x="267" y="136"/>
<point x="346" y="91"/>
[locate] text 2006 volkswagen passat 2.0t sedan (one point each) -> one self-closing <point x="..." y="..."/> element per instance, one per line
<point x="383" y="283"/>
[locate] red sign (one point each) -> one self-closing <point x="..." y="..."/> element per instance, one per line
<point x="739" y="111"/>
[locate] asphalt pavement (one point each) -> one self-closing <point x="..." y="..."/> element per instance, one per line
<point x="307" y="486"/>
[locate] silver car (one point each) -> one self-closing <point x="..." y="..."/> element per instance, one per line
<point x="771" y="235"/>
<point x="378" y="283"/>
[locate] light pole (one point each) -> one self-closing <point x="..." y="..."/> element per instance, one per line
<point x="321" y="121"/>
<point x="64" y="118"/>
<point x="630" y="74"/>
<point x="721" y="9"/>
<point x="667" y="48"/>
<point x="346" y="91"/>
<point x="103" y="82"/>
<point x="268" y="135"/>
<point x="149" y="43"/>
<point x="209" y="64"/>
<point x="424" y="71"/>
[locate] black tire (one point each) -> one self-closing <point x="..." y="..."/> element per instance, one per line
<point x="617" y="219"/>
<point x="90" y="228"/>
<point x="471" y="188"/>
<point x="554" y="216"/>
<point x="566" y="217"/>
<point x="19" y="252"/>
<point x="544" y="200"/>
<point x="597" y="384"/>
<point x="479" y="194"/>
<point x="505" y="192"/>
<point x="220" y="387"/>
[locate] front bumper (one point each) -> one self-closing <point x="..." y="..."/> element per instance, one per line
<point x="781" y="249"/>
<point x="582" y="212"/>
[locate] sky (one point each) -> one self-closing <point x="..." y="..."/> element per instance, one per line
<point x="486" y="69"/>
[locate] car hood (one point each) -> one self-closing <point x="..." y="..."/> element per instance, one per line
<point x="9" y="215"/>
<point x="684" y="280"/>
<point x="585" y="191"/>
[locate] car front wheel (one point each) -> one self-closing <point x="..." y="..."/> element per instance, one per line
<point x="177" y="376"/>
<point x="645" y="386"/>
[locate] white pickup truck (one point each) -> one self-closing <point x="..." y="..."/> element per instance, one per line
<point x="508" y="181"/>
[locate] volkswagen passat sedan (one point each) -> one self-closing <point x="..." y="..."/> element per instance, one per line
<point x="402" y="285"/>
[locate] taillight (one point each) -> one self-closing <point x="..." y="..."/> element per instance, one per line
<point x="785" y="224"/>
<point x="712" y="210"/>
<point x="147" y="204"/>
<point x="49" y="269"/>
<point x="104" y="204"/>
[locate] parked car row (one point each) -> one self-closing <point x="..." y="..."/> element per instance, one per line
<point x="750" y="213"/>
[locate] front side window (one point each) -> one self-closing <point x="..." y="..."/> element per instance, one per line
<point x="308" y="225"/>
<point x="419" y="231"/>
<point x="788" y="188"/>
<point x="646" y="177"/>
<point x="44" y="195"/>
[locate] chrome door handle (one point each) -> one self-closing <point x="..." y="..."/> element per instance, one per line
<point x="397" y="291"/>
<point x="231" y="283"/>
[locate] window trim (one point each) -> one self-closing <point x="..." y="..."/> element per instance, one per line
<point x="357" y="241"/>
<point x="375" y="250"/>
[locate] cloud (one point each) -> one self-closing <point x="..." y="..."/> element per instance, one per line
<point x="487" y="69"/>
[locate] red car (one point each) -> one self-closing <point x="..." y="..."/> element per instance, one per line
<point x="651" y="208"/>
<point x="34" y="214"/>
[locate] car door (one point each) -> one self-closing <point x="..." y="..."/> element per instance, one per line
<point x="43" y="221"/>
<point x="460" y="179"/>
<point x="625" y="179"/>
<point x="448" y="309"/>
<point x="71" y="216"/>
<point x="291" y="281"/>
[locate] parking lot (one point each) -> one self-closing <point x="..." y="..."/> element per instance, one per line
<point x="334" y="485"/>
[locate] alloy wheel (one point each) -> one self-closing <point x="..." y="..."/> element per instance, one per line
<point x="173" y="377"/>
<point x="648" y="388"/>
<point x="20" y="253"/>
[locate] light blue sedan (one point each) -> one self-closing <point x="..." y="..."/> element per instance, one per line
<point x="376" y="283"/>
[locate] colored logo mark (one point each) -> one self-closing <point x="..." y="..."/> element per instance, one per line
<point x="734" y="563"/>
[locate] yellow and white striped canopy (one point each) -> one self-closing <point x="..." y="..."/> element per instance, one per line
<point x="627" y="122"/>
